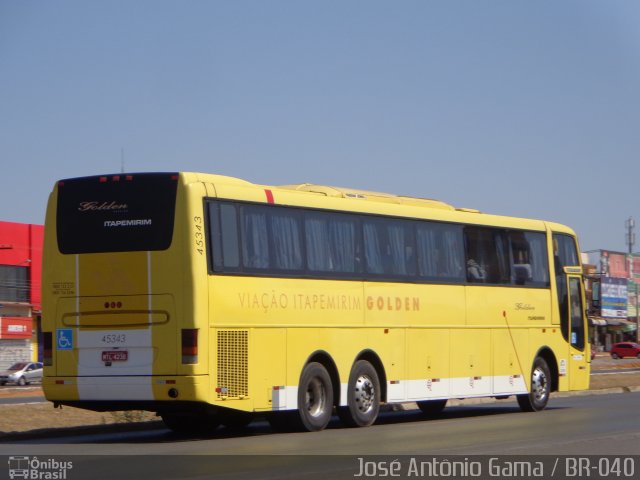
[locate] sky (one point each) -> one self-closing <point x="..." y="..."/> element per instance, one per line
<point x="522" y="108"/>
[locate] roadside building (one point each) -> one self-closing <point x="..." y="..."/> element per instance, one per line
<point x="612" y="294"/>
<point x="20" y="280"/>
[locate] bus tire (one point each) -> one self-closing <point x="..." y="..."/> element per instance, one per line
<point x="315" y="397"/>
<point x="432" y="407"/>
<point x="363" y="396"/>
<point x="538" y="397"/>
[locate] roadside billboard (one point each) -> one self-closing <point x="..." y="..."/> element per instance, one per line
<point x="614" y="297"/>
<point x="633" y="292"/>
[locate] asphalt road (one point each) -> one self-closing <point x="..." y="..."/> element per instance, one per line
<point x="590" y="424"/>
<point x="606" y="424"/>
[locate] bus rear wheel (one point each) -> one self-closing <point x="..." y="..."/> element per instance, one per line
<point x="538" y="396"/>
<point x="363" y="396"/>
<point x="315" y="397"/>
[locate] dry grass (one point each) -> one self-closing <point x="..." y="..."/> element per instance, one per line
<point x="36" y="416"/>
<point x="621" y="380"/>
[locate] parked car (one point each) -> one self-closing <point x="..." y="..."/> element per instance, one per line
<point x="22" y="373"/>
<point x="625" y="349"/>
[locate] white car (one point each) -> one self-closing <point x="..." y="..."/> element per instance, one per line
<point x="22" y="373"/>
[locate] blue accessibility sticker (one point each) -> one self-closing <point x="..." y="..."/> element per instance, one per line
<point x="64" y="337"/>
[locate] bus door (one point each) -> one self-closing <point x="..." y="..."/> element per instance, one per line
<point x="579" y="358"/>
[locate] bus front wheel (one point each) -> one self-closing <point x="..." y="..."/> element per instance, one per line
<point x="538" y="396"/>
<point x="363" y="396"/>
<point x="315" y="397"/>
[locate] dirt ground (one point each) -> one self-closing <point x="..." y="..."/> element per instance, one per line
<point x="32" y="417"/>
<point x="627" y="380"/>
<point x="36" y="416"/>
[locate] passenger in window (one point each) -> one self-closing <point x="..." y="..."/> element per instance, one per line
<point x="475" y="272"/>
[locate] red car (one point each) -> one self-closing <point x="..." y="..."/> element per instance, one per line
<point x="625" y="349"/>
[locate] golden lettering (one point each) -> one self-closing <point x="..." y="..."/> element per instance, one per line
<point x="397" y="304"/>
<point x="268" y="301"/>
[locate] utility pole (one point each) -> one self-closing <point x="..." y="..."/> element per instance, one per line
<point x="631" y="240"/>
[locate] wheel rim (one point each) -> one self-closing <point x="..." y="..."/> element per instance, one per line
<point x="539" y="385"/>
<point x="316" y="397"/>
<point x="365" y="394"/>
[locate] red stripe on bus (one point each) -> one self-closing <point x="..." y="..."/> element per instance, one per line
<point x="269" y="194"/>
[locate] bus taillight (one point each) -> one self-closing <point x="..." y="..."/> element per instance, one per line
<point x="189" y="345"/>
<point x="47" y="349"/>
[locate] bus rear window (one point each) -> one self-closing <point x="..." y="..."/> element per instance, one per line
<point x="116" y="213"/>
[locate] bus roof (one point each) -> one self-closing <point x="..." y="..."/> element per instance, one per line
<point x="367" y="195"/>
<point x="439" y="210"/>
<point x="233" y="187"/>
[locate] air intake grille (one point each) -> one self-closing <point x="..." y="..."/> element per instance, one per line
<point x="233" y="363"/>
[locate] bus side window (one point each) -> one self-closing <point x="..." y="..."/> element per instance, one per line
<point x="440" y="251"/>
<point x="255" y="238"/>
<point x="344" y="243"/>
<point x="230" y="241"/>
<point x="319" y="254"/>
<point x="372" y="248"/>
<point x="224" y="243"/>
<point x="331" y="243"/>
<point x="487" y="256"/>
<point x="529" y="257"/>
<point x="285" y="239"/>
<point x="388" y="246"/>
<point x="214" y="238"/>
<point x="565" y="252"/>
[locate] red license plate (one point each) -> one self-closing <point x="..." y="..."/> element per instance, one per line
<point x="115" y="356"/>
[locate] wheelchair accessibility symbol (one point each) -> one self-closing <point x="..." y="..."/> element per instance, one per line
<point x="64" y="338"/>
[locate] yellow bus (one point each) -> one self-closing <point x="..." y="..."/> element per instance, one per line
<point x="210" y="300"/>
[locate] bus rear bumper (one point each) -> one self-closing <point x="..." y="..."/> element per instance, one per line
<point x="132" y="389"/>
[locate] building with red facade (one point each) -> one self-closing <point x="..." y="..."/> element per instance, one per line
<point x="20" y="282"/>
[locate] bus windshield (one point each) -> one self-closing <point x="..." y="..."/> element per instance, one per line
<point x="116" y="213"/>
